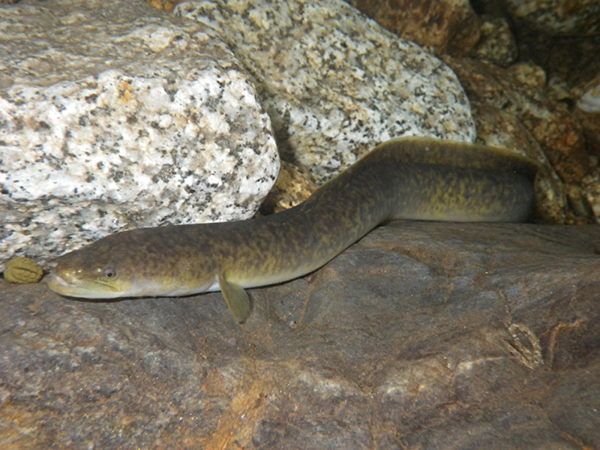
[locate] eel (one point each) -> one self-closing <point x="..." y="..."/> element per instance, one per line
<point x="404" y="178"/>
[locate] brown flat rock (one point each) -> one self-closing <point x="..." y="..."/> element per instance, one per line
<point x="422" y="335"/>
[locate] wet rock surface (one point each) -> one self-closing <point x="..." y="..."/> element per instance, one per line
<point x="422" y="335"/>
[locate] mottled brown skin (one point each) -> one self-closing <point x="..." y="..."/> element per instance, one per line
<point x="411" y="178"/>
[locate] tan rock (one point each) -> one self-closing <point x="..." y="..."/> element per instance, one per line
<point x="293" y="186"/>
<point x="557" y="17"/>
<point x="444" y="26"/>
<point x="497" y="43"/>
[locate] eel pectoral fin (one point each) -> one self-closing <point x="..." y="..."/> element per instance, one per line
<point x="236" y="298"/>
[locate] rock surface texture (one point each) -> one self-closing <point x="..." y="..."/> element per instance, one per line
<point x="552" y="17"/>
<point x="423" y="335"/>
<point x="445" y="26"/>
<point x="150" y="120"/>
<point x="335" y="83"/>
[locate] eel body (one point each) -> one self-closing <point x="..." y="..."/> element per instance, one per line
<point x="406" y="178"/>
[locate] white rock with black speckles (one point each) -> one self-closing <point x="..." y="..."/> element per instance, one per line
<point x="590" y="100"/>
<point x="114" y="116"/>
<point x="334" y="82"/>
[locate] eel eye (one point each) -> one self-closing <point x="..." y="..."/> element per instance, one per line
<point x="109" y="272"/>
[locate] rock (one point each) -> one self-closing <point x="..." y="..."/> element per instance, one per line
<point x="569" y="60"/>
<point x="150" y="120"/>
<point x="557" y="17"/>
<point x="572" y="64"/>
<point x="293" y="186"/>
<point x="497" y="43"/>
<point x="422" y="335"/>
<point x="165" y="5"/>
<point x="590" y="100"/>
<point x="444" y="26"/>
<point x="334" y="83"/>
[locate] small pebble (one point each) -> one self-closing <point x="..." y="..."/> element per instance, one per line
<point x="22" y="270"/>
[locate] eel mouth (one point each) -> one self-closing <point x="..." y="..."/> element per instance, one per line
<point x="72" y="287"/>
<point x="59" y="285"/>
<point x="56" y="280"/>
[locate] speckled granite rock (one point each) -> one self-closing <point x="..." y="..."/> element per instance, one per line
<point x="335" y="83"/>
<point x="423" y="335"/>
<point x="150" y="120"/>
<point x="444" y="26"/>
